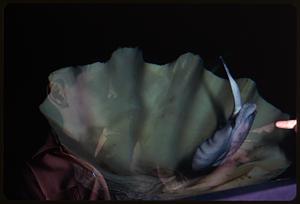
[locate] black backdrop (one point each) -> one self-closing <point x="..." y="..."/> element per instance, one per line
<point x="257" y="42"/>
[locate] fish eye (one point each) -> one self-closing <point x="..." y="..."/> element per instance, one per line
<point x="251" y="116"/>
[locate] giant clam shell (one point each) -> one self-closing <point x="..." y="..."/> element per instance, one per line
<point x="131" y="118"/>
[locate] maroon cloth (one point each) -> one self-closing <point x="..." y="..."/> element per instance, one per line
<point x="54" y="173"/>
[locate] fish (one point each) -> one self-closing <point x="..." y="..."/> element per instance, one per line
<point x="221" y="146"/>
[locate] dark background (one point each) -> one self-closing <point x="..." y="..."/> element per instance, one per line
<point x="257" y="42"/>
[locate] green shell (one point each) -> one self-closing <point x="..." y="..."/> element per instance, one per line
<point x="132" y="118"/>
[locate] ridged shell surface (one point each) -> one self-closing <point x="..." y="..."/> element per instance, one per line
<point x="131" y="118"/>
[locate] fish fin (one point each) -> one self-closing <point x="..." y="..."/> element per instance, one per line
<point x="213" y="150"/>
<point x="235" y="90"/>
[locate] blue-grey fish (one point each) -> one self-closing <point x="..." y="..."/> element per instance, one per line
<point x="226" y="141"/>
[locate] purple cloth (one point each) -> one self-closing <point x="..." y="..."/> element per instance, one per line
<point x="283" y="193"/>
<point x="285" y="190"/>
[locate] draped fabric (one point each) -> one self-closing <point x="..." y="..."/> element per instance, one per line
<point x="54" y="173"/>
